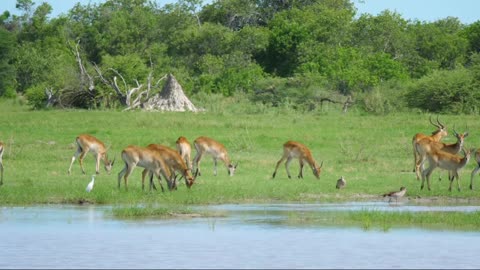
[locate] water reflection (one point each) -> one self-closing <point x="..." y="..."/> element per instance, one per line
<point x="88" y="237"/>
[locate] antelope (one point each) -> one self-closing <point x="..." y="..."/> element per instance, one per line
<point x="149" y="159"/>
<point x="476" y="169"/>
<point x="293" y="150"/>
<point x="444" y="160"/>
<point x="86" y="143"/>
<point x="184" y="149"/>
<point x="175" y="163"/>
<point x="1" y="162"/>
<point x="205" y="145"/>
<point x="424" y="146"/>
<point x="436" y="136"/>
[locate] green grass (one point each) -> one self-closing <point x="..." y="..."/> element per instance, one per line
<point x="374" y="153"/>
<point x="374" y="219"/>
<point x="155" y="211"/>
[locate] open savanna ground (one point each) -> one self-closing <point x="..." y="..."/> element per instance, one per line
<point x="373" y="153"/>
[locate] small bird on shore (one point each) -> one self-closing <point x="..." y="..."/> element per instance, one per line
<point x="341" y="183"/>
<point x="90" y="185"/>
<point x="396" y="194"/>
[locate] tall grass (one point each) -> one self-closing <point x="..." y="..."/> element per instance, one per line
<point x="375" y="219"/>
<point x="373" y="153"/>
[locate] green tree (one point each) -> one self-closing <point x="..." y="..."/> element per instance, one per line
<point x="472" y="34"/>
<point x="440" y="42"/>
<point x="323" y="22"/>
<point x="7" y="70"/>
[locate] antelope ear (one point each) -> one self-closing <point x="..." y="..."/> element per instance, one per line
<point x="114" y="160"/>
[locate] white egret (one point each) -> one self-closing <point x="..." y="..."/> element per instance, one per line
<point x="90" y="185"/>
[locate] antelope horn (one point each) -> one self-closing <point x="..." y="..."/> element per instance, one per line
<point x="454" y="131"/>
<point x="431" y="122"/>
<point x="321" y="164"/>
<point x="443" y="126"/>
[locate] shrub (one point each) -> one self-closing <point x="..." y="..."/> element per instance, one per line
<point x="36" y="96"/>
<point x="454" y="91"/>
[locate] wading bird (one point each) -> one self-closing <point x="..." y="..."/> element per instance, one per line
<point x="396" y="194"/>
<point x="90" y="185"/>
<point x="341" y="183"/>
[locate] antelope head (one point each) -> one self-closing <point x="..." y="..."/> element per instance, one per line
<point x="109" y="164"/>
<point x="460" y="136"/>
<point x="317" y="170"/>
<point x="231" y="169"/>
<point x="441" y="128"/>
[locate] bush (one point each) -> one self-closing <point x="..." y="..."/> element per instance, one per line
<point x="385" y="98"/>
<point x="453" y="91"/>
<point x="36" y="96"/>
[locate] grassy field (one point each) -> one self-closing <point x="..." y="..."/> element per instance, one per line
<point x="373" y="153"/>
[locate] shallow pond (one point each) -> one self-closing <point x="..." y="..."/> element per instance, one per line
<point x="88" y="237"/>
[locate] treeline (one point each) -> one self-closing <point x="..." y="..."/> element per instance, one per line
<point x="274" y="51"/>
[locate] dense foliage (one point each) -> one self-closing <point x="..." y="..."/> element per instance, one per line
<point x="273" y="51"/>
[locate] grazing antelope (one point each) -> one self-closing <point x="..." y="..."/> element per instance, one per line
<point x="450" y="162"/>
<point x="476" y="169"/>
<point x="185" y="150"/>
<point x="175" y="163"/>
<point x="149" y="159"/>
<point x="205" y="145"/>
<point x="86" y="143"/>
<point x="293" y="150"/>
<point x="424" y="146"/>
<point x="1" y="162"/>
<point x="436" y="136"/>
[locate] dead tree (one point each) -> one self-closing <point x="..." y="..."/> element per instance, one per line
<point x="345" y="105"/>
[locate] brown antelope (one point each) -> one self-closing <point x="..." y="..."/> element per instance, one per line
<point x="185" y="150"/>
<point x="149" y="159"/>
<point x="205" y="145"/>
<point x="175" y="163"/>
<point x="450" y="162"/>
<point x="293" y="150"/>
<point x="1" y="162"/>
<point x="86" y="143"/>
<point x="476" y="169"/>
<point x="436" y="136"/>
<point x="424" y="146"/>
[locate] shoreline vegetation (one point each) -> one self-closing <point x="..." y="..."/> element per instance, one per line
<point x="365" y="219"/>
<point x="373" y="153"/>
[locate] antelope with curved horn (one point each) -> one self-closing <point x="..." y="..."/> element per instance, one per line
<point x="205" y="145"/>
<point x="424" y="146"/>
<point x="1" y="162"/>
<point x="436" y="136"/>
<point x="185" y="150"/>
<point x="86" y="143"/>
<point x="149" y="159"/>
<point x="175" y="163"/>
<point x="450" y="162"/>
<point x="293" y="150"/>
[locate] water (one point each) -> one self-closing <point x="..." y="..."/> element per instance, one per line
<point x="87" y="237"/>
